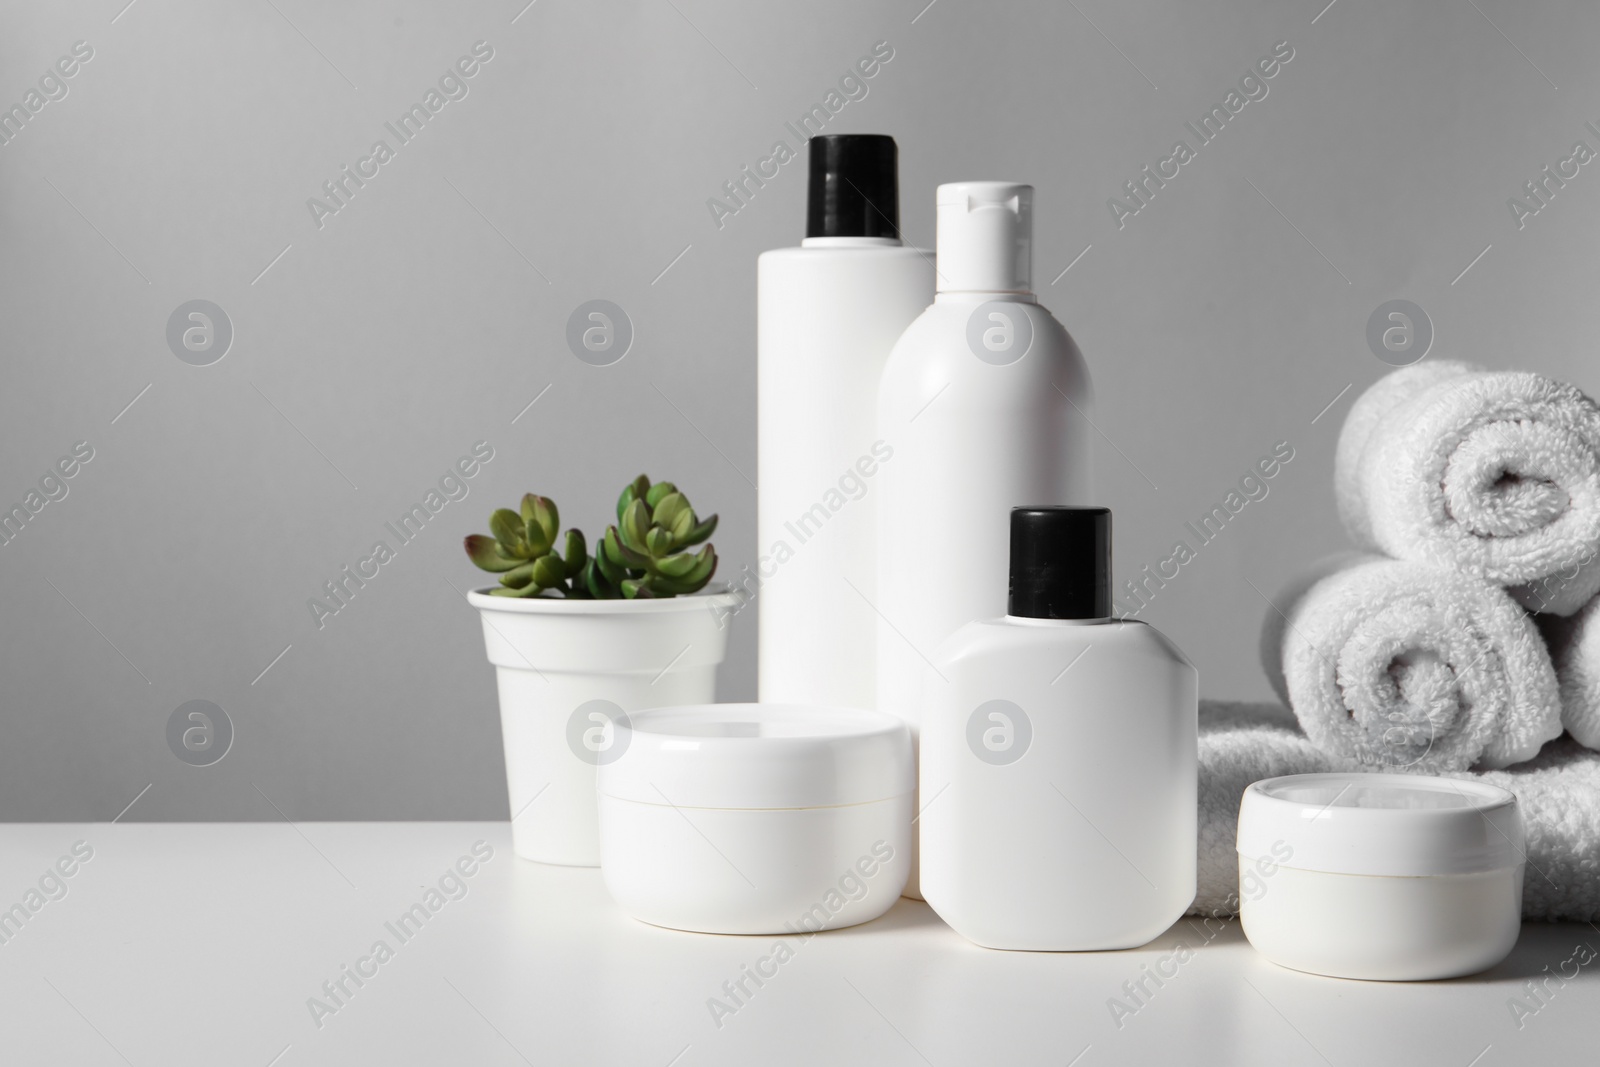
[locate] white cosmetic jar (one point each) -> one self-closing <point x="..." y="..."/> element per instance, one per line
<point x="756" y="818"/>
<point x="1387" y="877"/>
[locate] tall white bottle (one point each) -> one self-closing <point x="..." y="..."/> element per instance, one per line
<point x="827" y="314"/>
<point x="985" y="401"/>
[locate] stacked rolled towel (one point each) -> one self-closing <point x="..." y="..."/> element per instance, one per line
<point x="1481" y="492"/>
<point x="1559" y="793"/>
<point x="1392" y="665"/>
<point x="1575" y="649"/>
<point x="1495" y="474"/>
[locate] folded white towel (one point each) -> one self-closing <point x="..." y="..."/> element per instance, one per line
<point x="1240" y="744"/>
<point x="1391" y="665"/>
<point x="1559" y="793"/>
<point x="1492" y="473"/>
<point x="1575" y="649"/>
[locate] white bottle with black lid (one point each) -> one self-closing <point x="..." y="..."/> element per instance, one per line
<point x="1059" y="756"/>
<point x="986" y="403"/>
<point x="827" y="314"/>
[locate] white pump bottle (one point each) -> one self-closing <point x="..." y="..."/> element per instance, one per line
<point x="986" y="402"/>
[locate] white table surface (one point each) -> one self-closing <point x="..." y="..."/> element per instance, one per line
<point x="202" y="943"/>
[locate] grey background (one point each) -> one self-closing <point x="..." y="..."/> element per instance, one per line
<point x="429" y="312"/>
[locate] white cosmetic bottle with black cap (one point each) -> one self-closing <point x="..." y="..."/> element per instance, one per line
<point x="827" y="314"/>
<point x="986" y="402"/>
<point x="1061" y="745"/>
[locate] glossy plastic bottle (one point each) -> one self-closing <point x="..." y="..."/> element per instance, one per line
<point x="986" y="402"/>
<point x="827" y="314"/>
<point x="1061" y="745"/>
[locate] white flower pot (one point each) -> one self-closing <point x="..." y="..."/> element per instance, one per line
<point x="567" y="670"/>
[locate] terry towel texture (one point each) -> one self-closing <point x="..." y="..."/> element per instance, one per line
<point x="1393" y="665"/>
<point x="1491" y="473"/>
<point x="1559" y="793"/>
<point x="1239" y="744"/>
<point x="1575" y="648"/>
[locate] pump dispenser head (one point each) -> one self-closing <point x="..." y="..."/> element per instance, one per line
<point x="1060" y="563"/>
<point x="854" y="186"/>
<point x="985" y="237"/>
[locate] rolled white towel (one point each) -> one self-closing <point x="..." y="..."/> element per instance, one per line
<point x="1575" y="649"/>
<point x="1392" y="665"/>
<point x="1495" y="473"/>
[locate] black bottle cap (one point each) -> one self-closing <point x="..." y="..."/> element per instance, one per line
<point x="1060" y="563"/>
<point x="855" y="186"/>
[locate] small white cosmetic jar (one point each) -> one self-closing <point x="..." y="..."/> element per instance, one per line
<point x="1387" y="877"/>
<point x="756" y="818"/>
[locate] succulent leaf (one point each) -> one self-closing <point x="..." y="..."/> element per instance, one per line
<point x="485" y="553"/>
<point x="577" y="553"/>
<point x="670" y="587"/>
<point x="508" y="529"/>
<point x="630" y="492"/>
<point x="702" y="530"/>
<point x="610" y="570"/>
<point x="635" y="526"/>
<point x="658" y="542"/>
<point x="666" y="510"/>
<point x="677" y="566"/>
<point x="682" y="525"/>
<point x="620" y="554"/>
<point x="659" y="492"/>
<point x="519" y="577"/>
<point x="546" y="517"/>
<point x="549" y="572"/>
<point x="596" y="582"/>
<point x="705" y="566"/>
<point x="528" y="590"/>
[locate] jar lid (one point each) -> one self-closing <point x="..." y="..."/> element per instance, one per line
<point x="758" y="756"/>
<point x="1380" y="824"/>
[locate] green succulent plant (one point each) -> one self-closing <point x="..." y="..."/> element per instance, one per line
<point x="647" y="554"/>
<point x="523" y="549"/>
